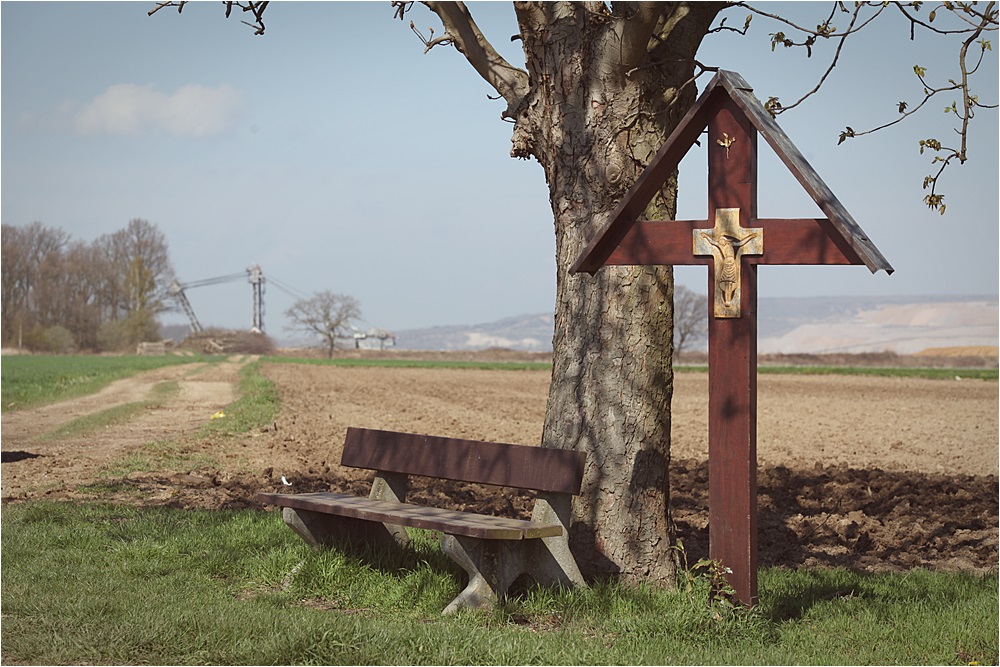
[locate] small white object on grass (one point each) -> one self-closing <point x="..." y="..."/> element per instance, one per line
<point x="285" y="481"/>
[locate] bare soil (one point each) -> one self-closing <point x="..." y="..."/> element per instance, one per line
<point x="865" y="472"/>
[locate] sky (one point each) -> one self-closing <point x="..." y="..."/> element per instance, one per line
<point x="338" y="156"/>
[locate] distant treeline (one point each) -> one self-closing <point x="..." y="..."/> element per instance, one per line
<point x="61" y="295"/>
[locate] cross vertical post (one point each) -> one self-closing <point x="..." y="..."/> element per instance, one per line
<point x="732" y="365"/>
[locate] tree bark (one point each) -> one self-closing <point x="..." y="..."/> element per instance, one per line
<point x="603" y="90"/>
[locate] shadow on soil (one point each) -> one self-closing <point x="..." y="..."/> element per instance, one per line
<point x="837" y="516"/>
<point x="13" y="457"/>
<point x="830" y="516"/>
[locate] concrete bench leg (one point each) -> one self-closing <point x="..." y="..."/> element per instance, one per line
<point x="392" y="487"/>
<point x="493" y="565"/>
<point x="323" y="530"/>
<point x="550" y="561"/>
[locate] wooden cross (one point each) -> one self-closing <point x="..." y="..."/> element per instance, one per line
<point x="732" y="242"/>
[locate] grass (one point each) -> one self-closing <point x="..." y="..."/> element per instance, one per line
<point x="162" y="456"/>
<point x="93" y="583"/>
<point x="32" y="380"/>
<point x="118" y="414"/>
<point x="256" y="407"/>
<point x="88" y="424"/>
<point x="926" y="373"/>
<point x="416" y="363"/>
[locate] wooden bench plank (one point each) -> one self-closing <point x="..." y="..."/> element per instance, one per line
<point x="499" y="464"/>
<point x="451" y="522"/>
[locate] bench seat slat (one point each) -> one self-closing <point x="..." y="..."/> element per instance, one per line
<point x="447" y="521"/>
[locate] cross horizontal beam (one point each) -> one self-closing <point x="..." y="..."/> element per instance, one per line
<point x="795" y="241"/>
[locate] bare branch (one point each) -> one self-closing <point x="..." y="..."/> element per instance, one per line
<point x="161" y="5"/>
<point x="401" y="7"/>
<point x="255" y="8"/>
<point x="722" y="27"/>
<point x="825" y="29"/>
<point x="970" y="102"/>
<point x="430" y="42"/>
<point x="957" y="10"/>
<point x="776" y="108"/>
<point x="976" y="23"/>
<point x="462" y="32"/>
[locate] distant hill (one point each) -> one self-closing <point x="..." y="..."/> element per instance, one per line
<point x="901" y="324"/>
<point x="904" y="325"/>
<point x="527" y="333"/>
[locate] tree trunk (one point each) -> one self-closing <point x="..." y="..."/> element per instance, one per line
<point x="598" y="109"/>
<point x="603" y="90"/>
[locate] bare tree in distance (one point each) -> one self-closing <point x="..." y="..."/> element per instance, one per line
<point x="25" y="251"/>
<point x="601" y="88"/>
<point x="106" y="294"/>
<point x="690" y="319"/>
<point x="325" y="314"/>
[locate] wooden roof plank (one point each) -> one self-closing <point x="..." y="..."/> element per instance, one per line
<point x="845" y="224"/>
<point x="648" y="184"/>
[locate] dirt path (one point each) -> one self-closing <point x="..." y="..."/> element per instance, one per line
<point x="857" y="471"/>
<point x="34" y="463"/>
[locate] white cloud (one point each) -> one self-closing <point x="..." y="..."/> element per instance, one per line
<point x="191" y="111"/>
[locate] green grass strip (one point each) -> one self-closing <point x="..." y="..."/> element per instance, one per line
<point x="257" y="405"/>
<point x="102" y="584"/>
<point x="416" y="363"/>
<point x="97" y="421"/>
<point x="118" y="414"/>
<point x="31" y="380"/>
<point x="161" y="456"/>
<point x="926" y="373"/>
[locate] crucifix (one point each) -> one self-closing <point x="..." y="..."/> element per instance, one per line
<point x="732" y="243"/>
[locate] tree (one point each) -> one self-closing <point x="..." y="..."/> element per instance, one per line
<point x="602" y="88"/>
<point x="326" y="315"/>
<point x="103" y="294"/>
<point x="135" y="271"/>
<point x="690" y="318"/>
<point x="65" y="294"/>
<point x="25" y="252"/>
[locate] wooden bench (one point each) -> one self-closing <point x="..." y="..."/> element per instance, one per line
<point x="493" y="550"/>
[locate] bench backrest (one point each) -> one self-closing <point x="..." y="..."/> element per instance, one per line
<point x="518" y="466"/>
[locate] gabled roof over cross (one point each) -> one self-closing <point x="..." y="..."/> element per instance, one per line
<point x="844" y="235"/>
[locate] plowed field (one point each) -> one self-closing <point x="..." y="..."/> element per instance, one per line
<point x="866" y="472"/>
